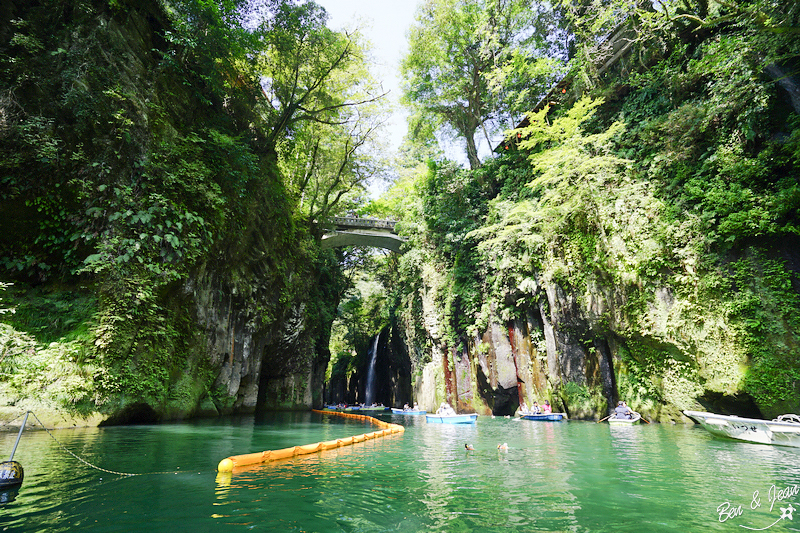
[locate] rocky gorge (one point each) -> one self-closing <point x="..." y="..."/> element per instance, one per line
<point x="161" y="257"/>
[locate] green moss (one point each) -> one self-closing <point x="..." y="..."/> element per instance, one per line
<point x="582" y="401"/>
<point x="53" y="373"/>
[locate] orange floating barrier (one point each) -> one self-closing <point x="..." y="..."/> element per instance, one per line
<point x="229" y="463"/>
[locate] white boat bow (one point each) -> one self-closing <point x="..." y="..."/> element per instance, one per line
<point x="783" y="431"/>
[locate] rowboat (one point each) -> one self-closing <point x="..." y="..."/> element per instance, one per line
<point x="378" y="409"/>
<point x="625" y="421"/>
<point x="783" y="431"/>
<point x="396" y="411"/>
<point x="452" y="419"/>
<point x="545" y="417"/>
<point x="357" y="409"/>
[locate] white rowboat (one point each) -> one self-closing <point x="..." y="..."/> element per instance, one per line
<point x="625" y="421"/>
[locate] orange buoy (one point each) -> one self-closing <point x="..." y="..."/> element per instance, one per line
<point x="229" y="463"/>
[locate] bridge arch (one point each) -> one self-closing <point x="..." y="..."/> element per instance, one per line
<point x="354" y="231"/>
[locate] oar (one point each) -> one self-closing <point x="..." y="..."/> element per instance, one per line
<point x="609" y="416"/>
<point x="643" y="418"/>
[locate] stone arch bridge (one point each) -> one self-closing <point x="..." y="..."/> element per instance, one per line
<point x="354" y="231"/>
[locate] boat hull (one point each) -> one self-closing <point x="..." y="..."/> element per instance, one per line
<point x="407" y="412"/>
<point x="452" y="419"/>
<point x="748" y="429"/>
<point x="548" y="417"/>
<point x="358" y="410"/>
<point x="625" y="421"/>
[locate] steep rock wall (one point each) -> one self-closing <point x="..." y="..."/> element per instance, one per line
<point x="583" y="353"/>
<point x="211" y="300"/>
<point x="541" y="357"/>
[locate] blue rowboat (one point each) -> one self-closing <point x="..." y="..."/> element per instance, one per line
<point x="396" y="411"/>
<point x="547" y="417"/>
<point x="452" y="419"/>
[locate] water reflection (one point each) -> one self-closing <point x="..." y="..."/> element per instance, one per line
<point x="8" y="495"/>
<point x="563" y="476"/>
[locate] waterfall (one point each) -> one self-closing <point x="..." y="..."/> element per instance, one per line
<point x="369" y="393"/>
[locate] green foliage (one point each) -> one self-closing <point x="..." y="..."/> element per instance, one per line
<point x="639" y="376"/>
<point x="53" y="372"/>
<point x="141" y="189"/>
<point x="474" y="65"/>
<point x="170" y="214"/>
<point x="660" y="207"/>
<point x="361" y="315"/>
<point x="571" y="229"/>
<point x="582" y="400"/>
<point x="322" y="107"/>
<point x="444" y="69"/>
<point x="51" y="314"/>
<point x="44" y="347"/>
<point x="767" y="307"/>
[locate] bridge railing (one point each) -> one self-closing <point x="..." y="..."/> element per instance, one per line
<point x="356" y="222"/>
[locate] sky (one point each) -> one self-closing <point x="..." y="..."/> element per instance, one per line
<point x="384" y="23"/>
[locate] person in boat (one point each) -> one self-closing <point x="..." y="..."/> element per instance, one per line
<point x="445" y="409"/>
<point x="536" y="409"/>
<point x="523" y="409"/>
<point x="406" y="407"/>
<point x="547" y="409"/>
<point x="622" y="411"/>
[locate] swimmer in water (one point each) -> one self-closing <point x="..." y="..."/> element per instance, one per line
<point x="503" y="447"/>
<point x="468" y="447"/>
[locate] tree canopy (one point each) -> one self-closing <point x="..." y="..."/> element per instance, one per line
<point x="473" y="64"/>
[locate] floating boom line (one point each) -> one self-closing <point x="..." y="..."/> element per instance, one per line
<point x="235" y="461"/>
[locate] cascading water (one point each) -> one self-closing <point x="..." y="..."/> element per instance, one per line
<point x="369" y="393"/>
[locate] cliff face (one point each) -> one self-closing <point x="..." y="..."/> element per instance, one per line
<point x="583" y="354"/>
<point x="135" y="170"/>
<point x="389" y="374"/>
<point x="667" y="278"/>
<point x="550" y="354"/>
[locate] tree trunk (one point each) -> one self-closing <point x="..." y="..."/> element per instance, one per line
<point x="472" y="152"/>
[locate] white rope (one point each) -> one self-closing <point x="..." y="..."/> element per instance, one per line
<point x="15" y="419"/>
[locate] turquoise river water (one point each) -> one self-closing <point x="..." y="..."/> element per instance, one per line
<point x="555" y="476"/>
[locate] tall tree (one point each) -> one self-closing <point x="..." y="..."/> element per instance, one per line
<point x="529" y="44"/>
<point x="444" y="69"/>
<point x="463" y="53"/>
<point x="320" y="105"/>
